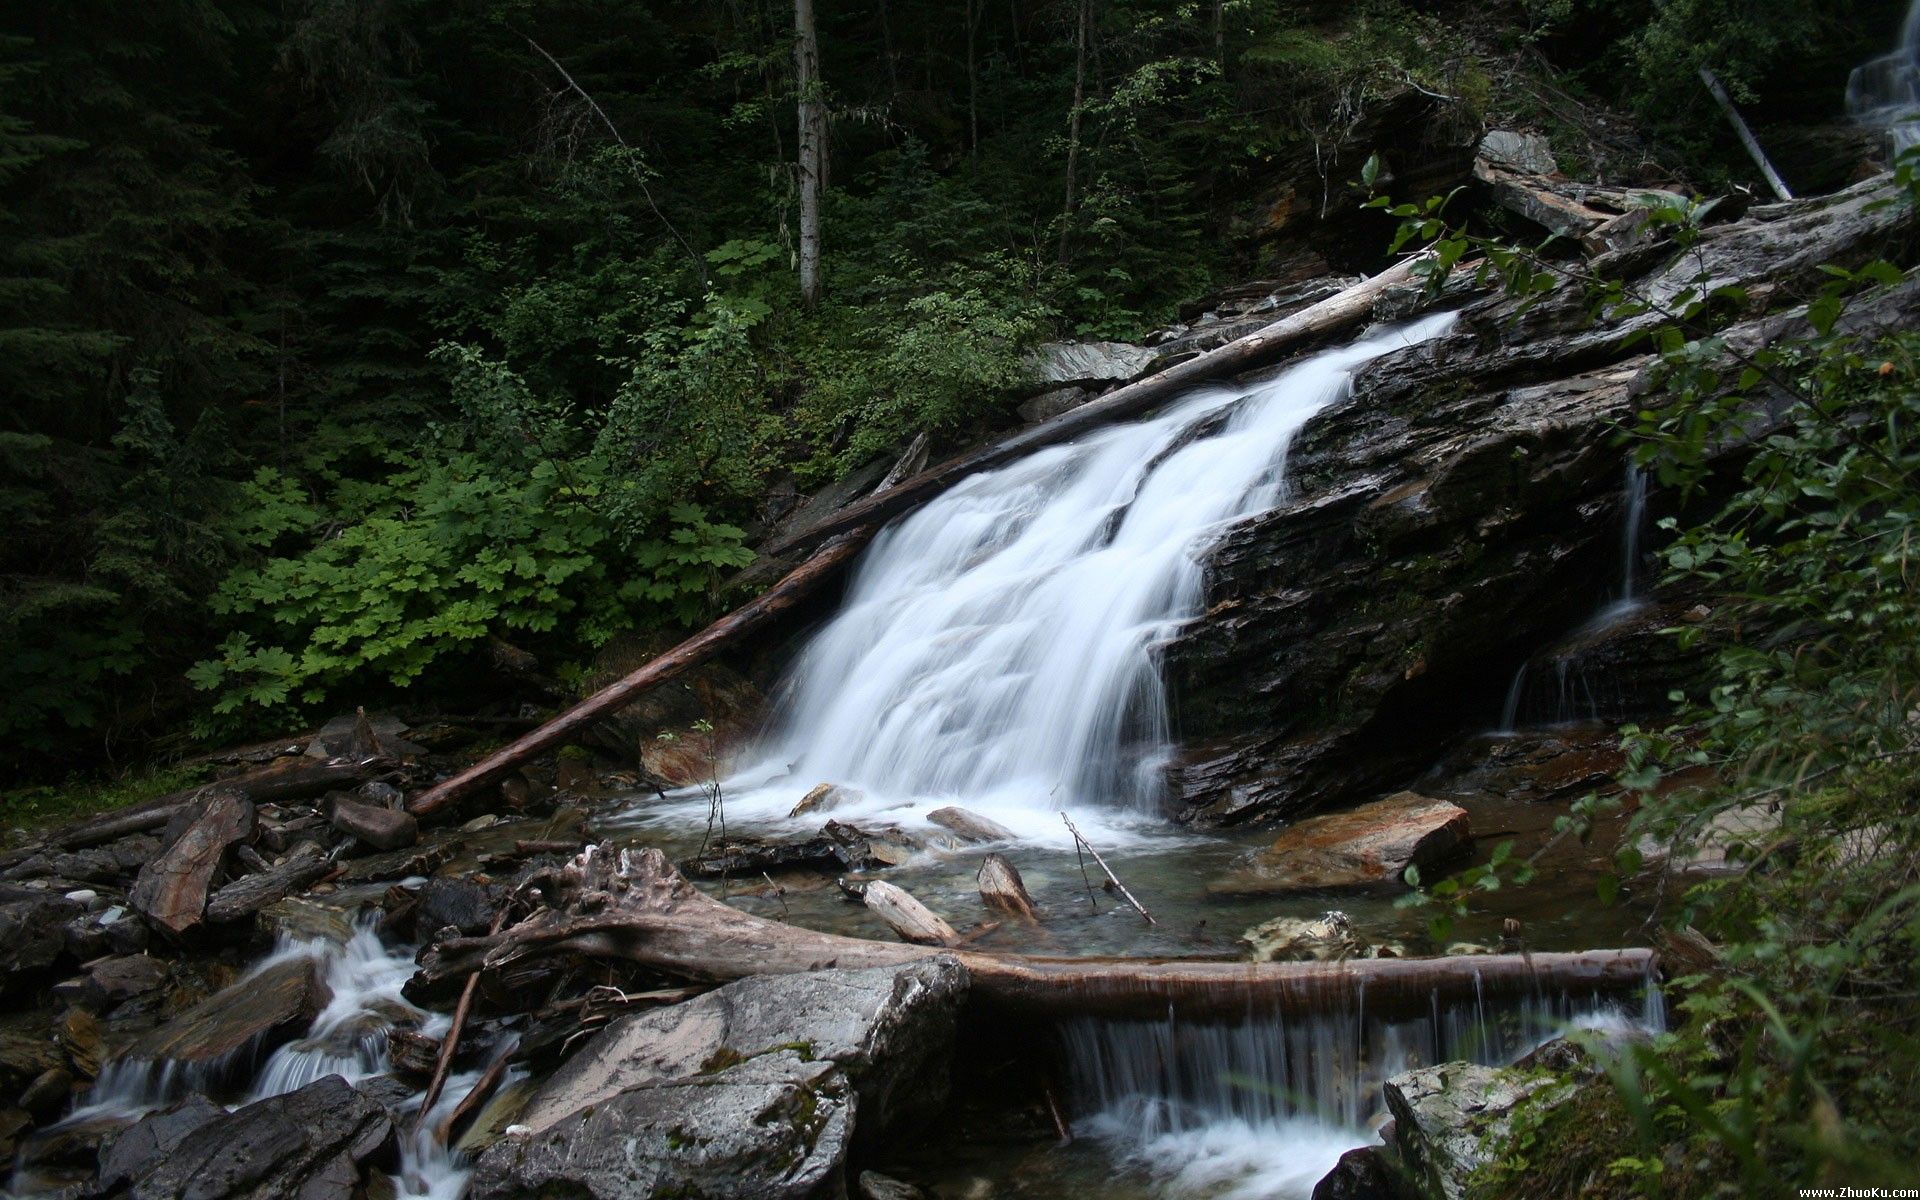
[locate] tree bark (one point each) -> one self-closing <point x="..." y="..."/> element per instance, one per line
<point x="1336" y="312"/>
<point x="813" y="146"/>
<point x="1747" y="139"/>
<point x="796" y="585"/>
<point x="634" y="905"/>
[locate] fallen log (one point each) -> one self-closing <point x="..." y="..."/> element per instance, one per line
<point x="1257" y="349"/>
<point x="171" y="890"/>
<point x="296" y="781"/>
<point x="635" y="906"/>
<point x="779" y="598"/>
<point x="906" y="916"/>
<point x="1002" y="889"/>
<point x="251" y="893"/>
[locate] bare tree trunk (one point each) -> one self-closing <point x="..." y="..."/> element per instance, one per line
<point x="1073" y="121"/>
<point x="813" y="146"/>
<point x="886" y="48"/>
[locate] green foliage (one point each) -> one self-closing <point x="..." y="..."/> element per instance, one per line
<point x="428" y="563"/>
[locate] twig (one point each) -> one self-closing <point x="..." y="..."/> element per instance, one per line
<point x="699" y="264"/>
<point x="1080" y="841"/>
<point x="1053" y="1109"/>
<point x="476" y="1096"/>
<point x="451" y="1043"/>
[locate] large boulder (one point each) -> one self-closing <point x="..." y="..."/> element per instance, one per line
<point x="318" y="1143"/>
<point x="1450" y="1118"/>
<point x="1460" y="510"/>
<point x="756" y="1090"/>
<point x="1365" y="847"/>
<point x="1087" y="364"/>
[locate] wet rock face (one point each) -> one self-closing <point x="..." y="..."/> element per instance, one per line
<point x="758" y="1089"/>
<point x="315" y="1144"/>
<point x="254" y="1014"/>
<point x="1463" y="509"/>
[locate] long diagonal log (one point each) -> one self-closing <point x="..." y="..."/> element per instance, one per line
<point x="636" y="906"/>
<point x="1257" y="349"/>
<point x="757" y="612"/>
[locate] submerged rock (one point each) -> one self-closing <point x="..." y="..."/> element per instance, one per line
<point x="970" y="826"/>
<point x="825" y="797"/>
<point x="1364" y="847"/>
<point x="756" y="1090"/>
<point x="1325" y="938"/>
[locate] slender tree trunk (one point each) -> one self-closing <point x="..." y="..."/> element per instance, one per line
<point x="1073" y="121"/>
<point x="973" y="10"/>
<point x="813" y="146"/>
<point x="886" y="47"/>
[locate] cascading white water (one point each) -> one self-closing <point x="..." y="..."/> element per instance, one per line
<point x="997" y="645"/>
<point x="347" y="1038"/>
<point x="1884" y="92"/>
<point x="1262" y="1110"/>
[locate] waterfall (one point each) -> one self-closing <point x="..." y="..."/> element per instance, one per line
<point x="1261" y="1109"/>
<point x="1884" y="92"/>
<point x="997" y="645"/>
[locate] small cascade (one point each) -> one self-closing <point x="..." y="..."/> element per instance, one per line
<point x="347" y="1038"/>
<point x="1261" y="1110"/>
<point x="1563" y="689"/>
<point x="1884" y="92"/>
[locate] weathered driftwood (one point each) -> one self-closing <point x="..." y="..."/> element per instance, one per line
<point x="634" y="905"/>
<point x="1259" y="349"/>
<point x="251" y="893"/>
<point x="450" y="1045"/>
<point x="906" y="916"/>
<point x="1002" y="889"/>
<point x="1084" y="844"/>
<point x="280" y="781"/>
<point x="750" y="616"/>
<point x="171" y="891"/>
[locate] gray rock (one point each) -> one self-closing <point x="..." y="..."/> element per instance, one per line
<point x="141" y="1147"/>
<point x="1062" y="364"/>
<point x="32" y="935"/>
<point x="465" y="905"/>
<point x="1450" y="1118"/>
<point x="1527" y="153"/>
<point x="756" y="1090"/>
<point x="1050" y="404"/>
<point x="313" y="1144"/>
<point x="381" y="828"/>
<point x="875" y="1186"/>
<point x="1328" y="937"/>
